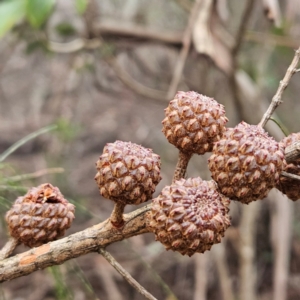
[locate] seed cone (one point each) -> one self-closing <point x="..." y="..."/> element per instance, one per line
<point x="246" y="163"/>
<point x="194" y="122"/>
<point x="190" y="216"/>
<point x="41" y="216"/>
<point x="289" y="186"/>
<point x="127" y="172"/>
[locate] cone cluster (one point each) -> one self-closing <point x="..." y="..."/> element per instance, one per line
<point x="246" y="163"/>
<point x="194" y="122"/>
<point x="127" y="172"/>
<point x="41" y="216"/>
<point x="190" y="216"/>
<point x="288" y="186"/>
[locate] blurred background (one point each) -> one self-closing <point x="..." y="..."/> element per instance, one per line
<point x="75" y="75"/>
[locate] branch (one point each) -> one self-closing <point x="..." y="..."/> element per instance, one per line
<point x="276" y="101"/>
<point x="8" y="248"/>
<point x="292" y="152"/>
<point x="77" y="244"/>
<point x="289" y="175"/>
<point x="125" y="274"/>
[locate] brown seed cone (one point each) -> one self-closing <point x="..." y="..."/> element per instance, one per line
<point x="194" y="122"/>
<point x="190" y="216"/>
<point x="289" y="186"/>
<point x="127" y="172"/>
<point x="41" y="216"/>
<point x="246" y="163"/>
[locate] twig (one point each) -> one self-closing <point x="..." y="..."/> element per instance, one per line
<point x="182" y="164"/>
<point x="186" y="42"/>
<point x="276" y="101"/>
<point x="116" y="217"/>
<point x="125" y="274"/>
<point x="109" y="284"/>
<point x="289" y="175"/>
<point x="292" y="152"/>
<point x="77" y="244"/>
<point x="8" y="248"/>
<point x="36" y="174"/>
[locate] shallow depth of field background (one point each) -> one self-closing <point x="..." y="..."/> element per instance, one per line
<point x="90" y="101"/>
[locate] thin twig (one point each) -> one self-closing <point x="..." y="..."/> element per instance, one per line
<point x="116" y="217"/>
<point x="292" y="152"/>
<point x="276" y="101"/>
<point x="8" y="248"/>
<point x="75" y="245"/>
<point x="289" y="175"/>
<point x="125" y="274"/>
<point x="182" y="164"/>
<point x="186" y="42"/>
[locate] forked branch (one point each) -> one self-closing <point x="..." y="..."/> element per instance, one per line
<point x="77" y="244"/>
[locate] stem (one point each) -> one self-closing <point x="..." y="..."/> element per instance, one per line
<point x="292" y="152"/>
<point x="289" y="175"/>
<point x="116" y="217"/>
<point x="182" y="163"/>
<point x="284" y="131"/>
<point x="276" y="101"/>
<point x="8" y="248"/>
<point x="125" y="274"/>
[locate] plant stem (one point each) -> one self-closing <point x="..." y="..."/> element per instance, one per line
<point x="8" y="248"/>
<point x="116" y="217"/>
<point x="182" y="163"/>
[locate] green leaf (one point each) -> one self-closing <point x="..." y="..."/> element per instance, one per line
<point x="11" y="12"/>
<point x="37" y="11"/>
<point x="81" y="6"/>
